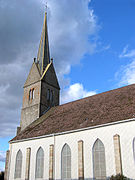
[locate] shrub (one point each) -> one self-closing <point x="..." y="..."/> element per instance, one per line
<point x="119" y="177"/>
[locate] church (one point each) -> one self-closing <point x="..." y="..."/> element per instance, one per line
<point x="92" y="138"/>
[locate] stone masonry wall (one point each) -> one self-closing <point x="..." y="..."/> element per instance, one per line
<point x="44" y="102"/>
<point x="30" y="107"/>
<point x="7" y="165"/>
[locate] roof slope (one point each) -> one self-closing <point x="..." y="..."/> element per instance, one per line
<point x="49" y="75"/>
<point x="34" y="75"/>
<point x="111" y="106"/>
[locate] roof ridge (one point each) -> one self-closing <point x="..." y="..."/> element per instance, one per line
<point x="96" y="94"/>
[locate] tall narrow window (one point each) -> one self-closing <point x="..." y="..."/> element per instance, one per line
<point x="51" y="96"/>
<point x="66" y="163"/>
<point x="134" y="149"/>
<point x="33" y="93"/>
<point x="99" y="160"/>
<point x="30" y="94"/>
<point x="39" y="163"/>
<point x="48" y="94"/>
<point x="18" y="165"/>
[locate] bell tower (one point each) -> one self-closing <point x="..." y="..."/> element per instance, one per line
<point x="41" y="89"/>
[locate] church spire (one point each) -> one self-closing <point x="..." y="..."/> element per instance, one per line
<point x="43" y="52"/>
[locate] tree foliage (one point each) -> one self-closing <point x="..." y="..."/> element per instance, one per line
<point x="1" y="175"/>
<point x="119" y="177"/>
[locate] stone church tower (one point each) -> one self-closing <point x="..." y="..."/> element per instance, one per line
<point x="41" y="89"/>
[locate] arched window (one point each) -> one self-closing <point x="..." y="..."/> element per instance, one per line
<point x="66" y="162"/>
<point x="33" y="93"/>
<point x="99" y="165"/>
<point x="134" y="148"/>
<point x="18" y="165"/>
<point x="39" y="163"/>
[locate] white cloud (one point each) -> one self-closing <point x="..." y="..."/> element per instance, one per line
<point x="127" y="72"/>
<point x="2" y="168"/>
<point x="126" y="53"/>
<point x="71" y="26"/>
<point x="2" y="160"/>
<point x="74" y="92"/>
<point x="2" y="156"/>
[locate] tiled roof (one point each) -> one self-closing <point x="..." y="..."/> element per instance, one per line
<point x="107" y="107"/>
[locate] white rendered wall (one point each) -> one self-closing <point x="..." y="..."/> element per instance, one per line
<point x="126" y="131"/>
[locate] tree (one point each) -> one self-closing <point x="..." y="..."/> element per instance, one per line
<point x="119" y="177"/>
<point x="1" y="175"/>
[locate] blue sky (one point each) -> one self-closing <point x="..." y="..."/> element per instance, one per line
<point x="98" y="71"/>
<point x="93" y="46"/>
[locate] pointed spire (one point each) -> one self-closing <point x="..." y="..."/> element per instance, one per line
<point x="43" y="52"/>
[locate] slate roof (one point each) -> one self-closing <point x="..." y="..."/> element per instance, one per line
<point x="107" y="107"/>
